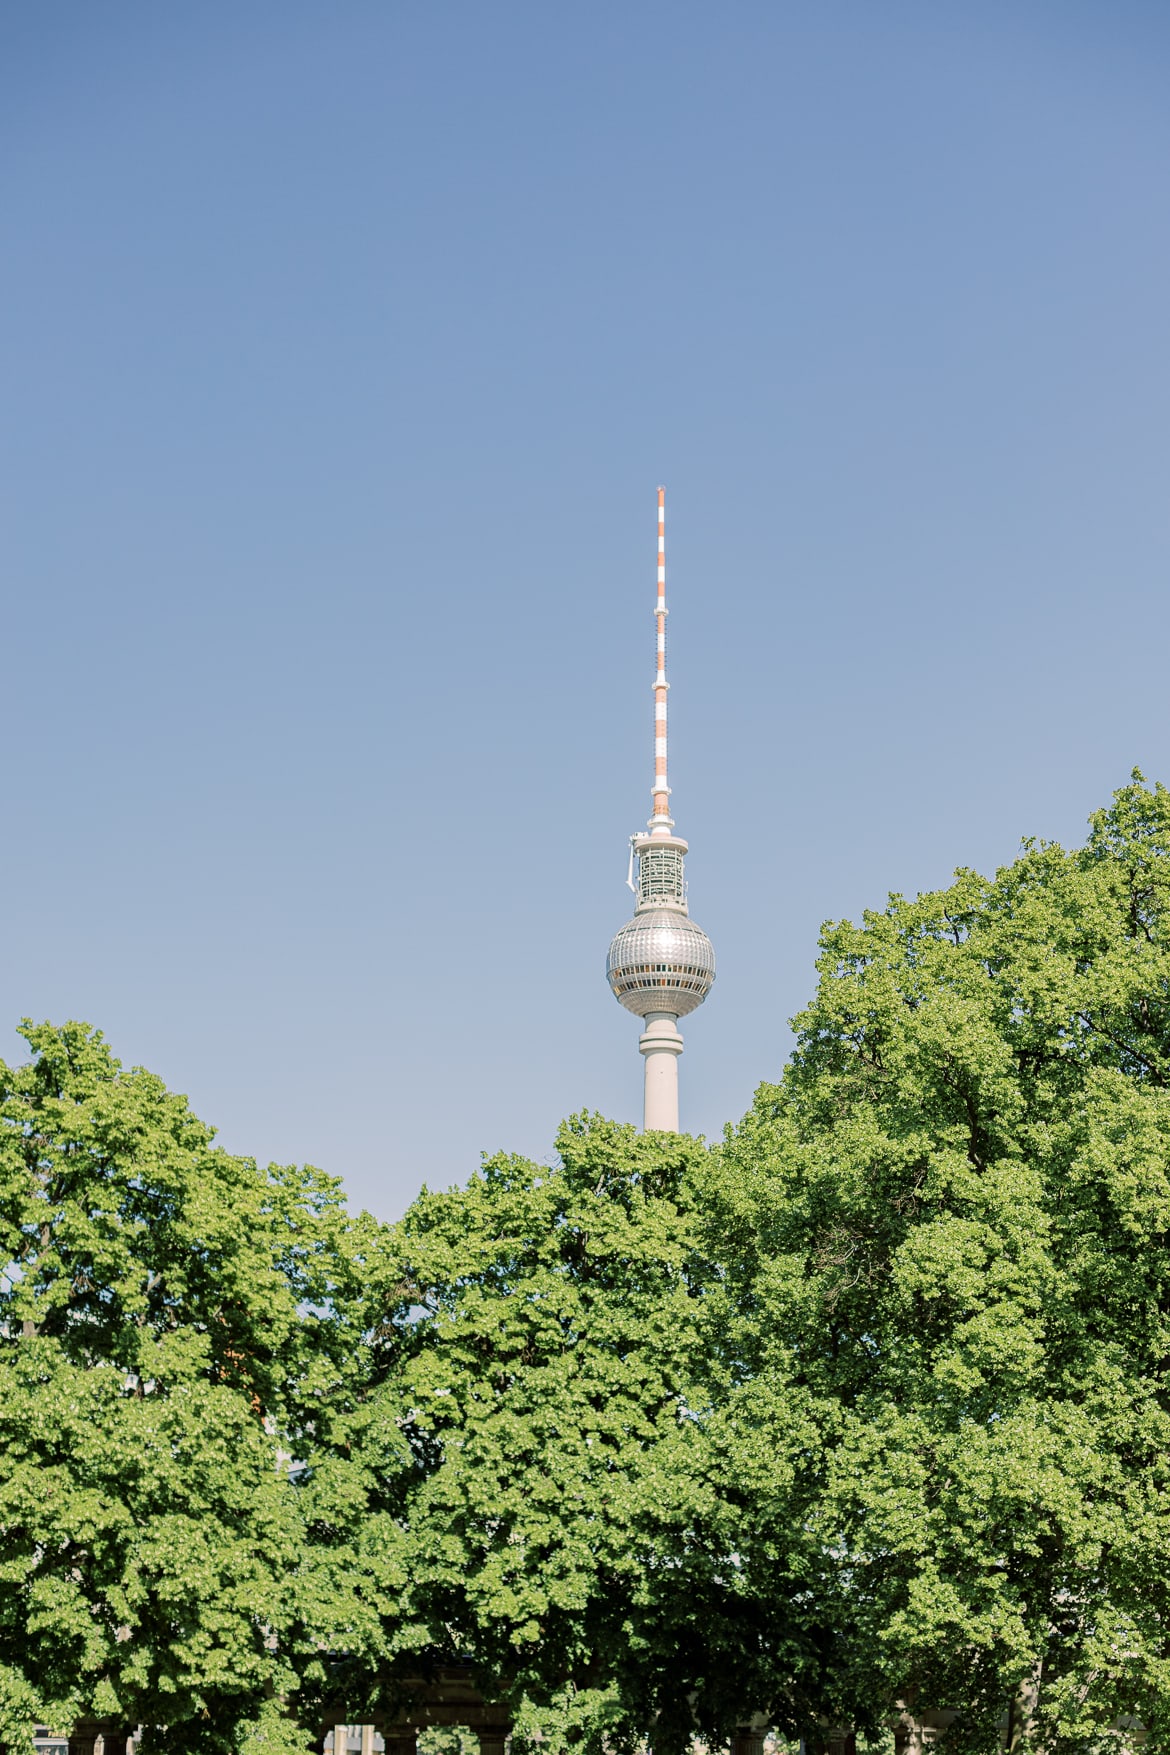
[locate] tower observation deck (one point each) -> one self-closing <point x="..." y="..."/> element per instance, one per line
<point x="661" y="964"/>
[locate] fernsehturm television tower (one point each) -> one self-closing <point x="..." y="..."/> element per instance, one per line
<point x="661" y="965"/>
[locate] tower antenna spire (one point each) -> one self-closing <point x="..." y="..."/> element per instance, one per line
<point x="661" y="822"/>
<point x="661" y="964"/>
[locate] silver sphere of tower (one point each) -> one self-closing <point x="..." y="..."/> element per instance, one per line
<point x="660" y="961"/>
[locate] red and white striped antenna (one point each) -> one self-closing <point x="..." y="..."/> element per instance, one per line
<point x="661" y="822"/>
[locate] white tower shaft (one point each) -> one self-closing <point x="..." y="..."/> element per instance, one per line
<point x="661" y="1045"/>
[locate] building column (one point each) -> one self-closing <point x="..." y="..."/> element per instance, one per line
<point x="661" y="1045"/>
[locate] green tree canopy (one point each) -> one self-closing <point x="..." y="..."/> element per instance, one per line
<point x="174" y="1321"/>
<point x="866" y="1410"/>
<point x="546" y="1381"/>
<point x="948" y="1296"/>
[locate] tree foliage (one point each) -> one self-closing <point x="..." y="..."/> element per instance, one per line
<point x="863" y="1411"/>
<point x="173" y="1318"/>
<point x="543" y="1376"/>
<point x="946" y="1230"/>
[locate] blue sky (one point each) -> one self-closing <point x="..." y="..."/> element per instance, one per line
<point x="345" y="347"/>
